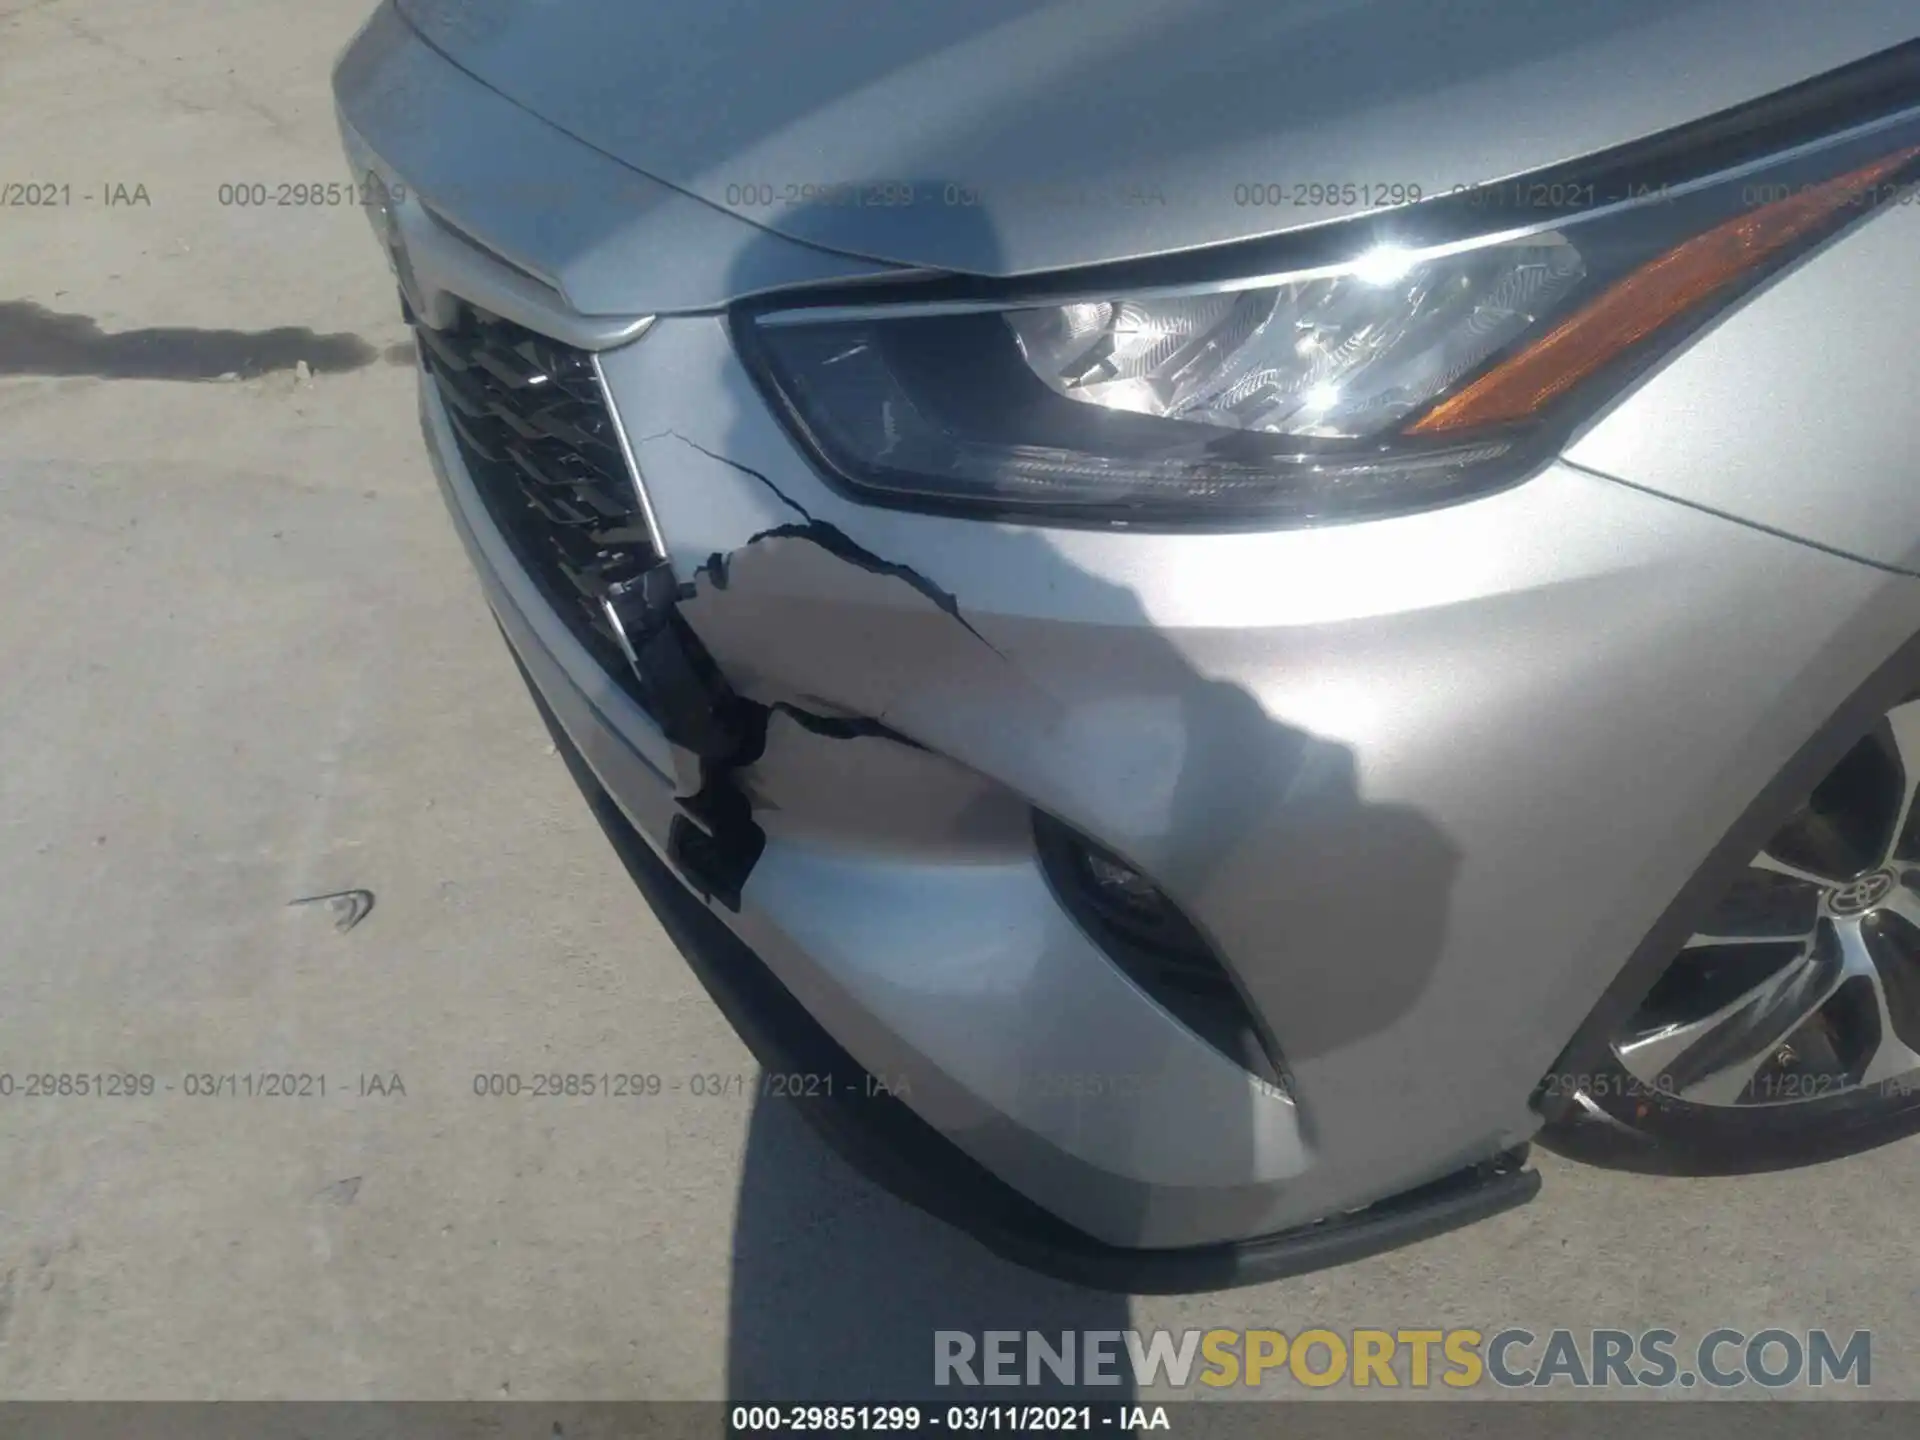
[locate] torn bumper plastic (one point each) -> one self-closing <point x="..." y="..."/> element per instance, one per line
<point x="983" y="1064"/>
<point x="681" y="708"/>
<point x="879" y="1135"/>
<point x="1348" y="754"/>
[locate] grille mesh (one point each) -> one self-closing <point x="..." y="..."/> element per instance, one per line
<point x="540" y="443"/>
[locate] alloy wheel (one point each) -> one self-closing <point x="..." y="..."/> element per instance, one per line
<point x="1802" y="986"/>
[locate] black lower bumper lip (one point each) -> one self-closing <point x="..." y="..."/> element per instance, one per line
<point x="883" y="1138"/>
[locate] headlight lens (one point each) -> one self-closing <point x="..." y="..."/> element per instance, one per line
<point x="1406" y="375"/>
<point x="1343" y="357"/>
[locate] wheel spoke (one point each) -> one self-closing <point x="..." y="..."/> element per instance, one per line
<point x="1904" y="903"/>
<point x="1897" y="957"/>
<point x="1651" y="1057"/>
<point x="1710" y="1061"/>
<point x="1890" y="1056"/>
<point x="1761" y="907"/>
<point x="1764" y="861"/>
<point x="1903" y="724"/>
<point x="1704" y="942"/>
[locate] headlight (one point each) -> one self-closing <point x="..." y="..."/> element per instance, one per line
<point x="1421" y="356"/>
<point x="1344" y="357"/>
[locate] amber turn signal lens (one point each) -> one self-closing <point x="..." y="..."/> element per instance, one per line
<point x="1639" y="303"/>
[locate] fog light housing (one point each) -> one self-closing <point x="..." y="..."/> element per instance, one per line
<point x="1155" y="945"/>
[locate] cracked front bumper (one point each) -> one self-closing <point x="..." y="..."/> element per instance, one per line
<point x="898" y="898"/>
<point x="1423" y="783"/>
<point x="1347" y="753"/>
<point x="909" y="1126"/>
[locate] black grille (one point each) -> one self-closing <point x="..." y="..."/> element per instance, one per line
<point x="539" y="441"/>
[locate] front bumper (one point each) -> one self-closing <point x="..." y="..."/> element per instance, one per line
<point x="623" y="763"/>
<point x="898" y="899"/>
<point x="879" y="1134"/>
<point x="1424" y="783"/>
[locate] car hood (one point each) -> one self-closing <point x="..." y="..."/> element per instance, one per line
<point x="1002" y="137"/>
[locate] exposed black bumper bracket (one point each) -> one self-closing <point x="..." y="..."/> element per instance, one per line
<point x="715" y="841"/>
<point x="680" y="686"/>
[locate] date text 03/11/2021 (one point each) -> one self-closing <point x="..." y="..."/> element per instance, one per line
<point x="964" y="1419"/>
<point x="646" y="1085"/>
<point x="197" y="1085"/>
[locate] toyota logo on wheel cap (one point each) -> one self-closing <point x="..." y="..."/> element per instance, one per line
<point x="1861" y="894"/>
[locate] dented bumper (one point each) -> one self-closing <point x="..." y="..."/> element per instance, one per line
<point x="1348" y="754"/>
<point x="898" y="897"/>
<point x="871" y="1126"/>
<point x="1005" y="1139"/>
<point x="1421" y="783"/>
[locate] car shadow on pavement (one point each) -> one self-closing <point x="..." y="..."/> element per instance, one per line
<point x="839" y="1289"/>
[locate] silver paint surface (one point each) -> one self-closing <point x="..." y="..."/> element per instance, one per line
<point x="1425" y="782"/>
<point x="1797" y="411"/>
<point x="609" y="239"/>
<point x="1350" y="753"/>
<point x="1084" y="130"/>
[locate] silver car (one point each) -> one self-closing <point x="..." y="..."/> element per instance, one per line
<point x="1205" y="618"/>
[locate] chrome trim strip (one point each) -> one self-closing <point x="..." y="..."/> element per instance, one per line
<point x="445" y="264"/>
<point x="633" y="463"/>
<point x="825" y="314"/>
